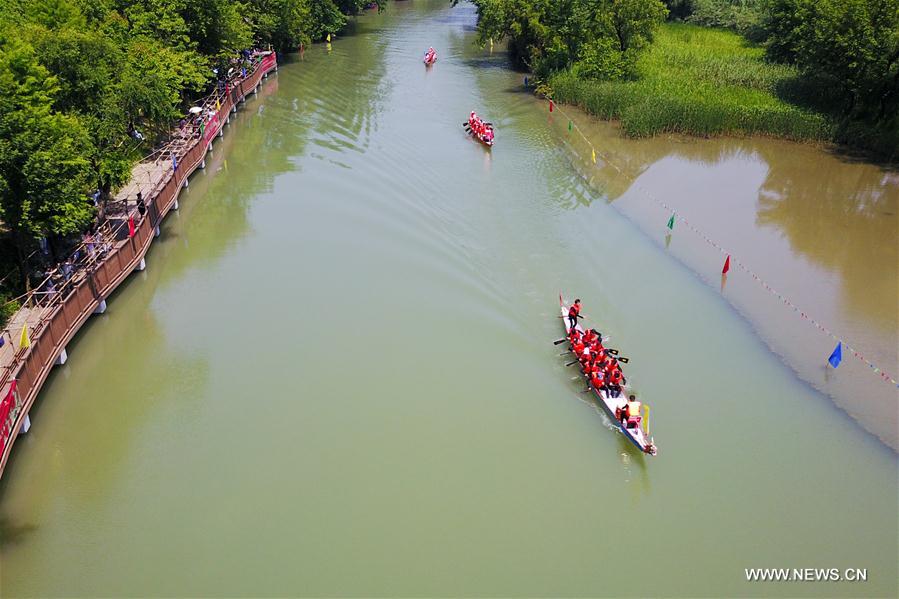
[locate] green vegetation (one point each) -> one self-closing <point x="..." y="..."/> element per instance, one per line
<point x="595" y="38"/>
<point x="800" y="69"/>
<point x="90" y="85"/>
<point x="698" y="81"/>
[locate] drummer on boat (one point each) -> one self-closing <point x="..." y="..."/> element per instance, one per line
<point x="630" y="413"/>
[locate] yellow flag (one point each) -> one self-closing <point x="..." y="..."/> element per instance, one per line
<point x="24" y="341"/>
<point x="218" y="105"/>
<point x="593" y="155"/>
<point x="329" y="38"/>
<point x="646" y="419"/>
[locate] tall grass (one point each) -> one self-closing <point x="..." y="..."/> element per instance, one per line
<point x="699" y="81"/>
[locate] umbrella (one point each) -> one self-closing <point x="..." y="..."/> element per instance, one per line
<point x="195" y="110"/>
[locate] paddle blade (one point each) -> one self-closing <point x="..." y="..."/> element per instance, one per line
<point x="560" y="341"/>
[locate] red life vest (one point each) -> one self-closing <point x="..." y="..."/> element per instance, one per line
<point x="574" y="310"/>
<point x="615" y="377"/>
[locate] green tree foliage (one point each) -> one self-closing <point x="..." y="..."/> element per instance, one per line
<point x="44" y="171"/>
<point x="326" y="18"/>
<point x="597" y="38"/>
<point x="90" y="84"/>
<point x="849" y="45"/>
<point x="285" y="24"/>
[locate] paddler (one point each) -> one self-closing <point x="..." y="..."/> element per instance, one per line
<point x="616" y="379"/>
<point x="574" y="312"/>
<point x="597" y="379"/>
<point x="577" y="346"/>
<point x="586" y="353"/>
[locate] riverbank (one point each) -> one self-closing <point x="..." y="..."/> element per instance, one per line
<point x="709" y="82"/>
<point x="814" y="231"/>
<point x="60" y="305"/>
<point x="209" y="405"/>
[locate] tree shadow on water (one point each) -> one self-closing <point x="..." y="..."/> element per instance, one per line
<point x="12" y="533"/>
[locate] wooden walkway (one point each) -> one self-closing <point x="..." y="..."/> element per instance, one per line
<point x="77" y="288"/>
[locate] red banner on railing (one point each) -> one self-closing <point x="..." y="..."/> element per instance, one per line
<point x="212" y="128"/>
<point x="6" y="406"/>
<point x="268" y="63"/>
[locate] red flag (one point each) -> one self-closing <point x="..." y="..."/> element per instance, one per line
<point x="131" y="226"/>
<point x="726" y="265"/>
<point x="551" y="105"/>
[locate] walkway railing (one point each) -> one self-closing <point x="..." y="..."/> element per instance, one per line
<point x="57" y="308"/>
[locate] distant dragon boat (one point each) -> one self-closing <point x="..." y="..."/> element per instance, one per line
<point x="481" y="131"/>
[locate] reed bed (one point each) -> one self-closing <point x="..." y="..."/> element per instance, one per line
<point x="699" y="81"/>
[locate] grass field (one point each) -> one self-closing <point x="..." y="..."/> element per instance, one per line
<point x="699" y="81"/>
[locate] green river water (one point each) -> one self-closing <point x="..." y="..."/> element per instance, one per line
<point x="336" y="375"/>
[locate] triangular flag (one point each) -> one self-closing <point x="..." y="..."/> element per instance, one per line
<point x="328" y="38"/>
<point x="671" y="223"/>
<point x="726" y="266"/>
<point x="593" y="155"/>
<point x="131" y="226"/>
<point x="569" y="125"/>
<point x="551" y="105"/>
<point x="218" y="105"/>
<point x="837" y="356"/>
<point x="174" y="163"/>
<point x="24" y="340"/>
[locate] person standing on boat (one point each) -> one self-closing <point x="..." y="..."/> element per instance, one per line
<point x="574" y="312"/>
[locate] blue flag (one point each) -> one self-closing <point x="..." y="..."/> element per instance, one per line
<point x="174" y="163"/>
<point x="837" y="356"/>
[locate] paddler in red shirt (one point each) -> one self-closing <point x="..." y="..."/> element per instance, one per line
<point x="577" y="346"/>
<point x="616" y="380"/>
<point x="598" y="379"/>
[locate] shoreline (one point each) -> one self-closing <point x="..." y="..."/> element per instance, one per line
<point x="53" y="316"/>
<point x="681" y="86"/>
<point x="790" y="338"/>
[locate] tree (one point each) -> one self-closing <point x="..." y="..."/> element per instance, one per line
<point x="285" y="24"/>
<point x="326" y="18"/>
<point x="599" y="38"/>
<point x="850" y="45"/>
<point x="44" y="175"/>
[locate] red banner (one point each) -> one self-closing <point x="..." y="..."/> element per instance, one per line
<point x="212" y="128"/>
<point x="6" y="406"/>
<point x="268" y="63"/>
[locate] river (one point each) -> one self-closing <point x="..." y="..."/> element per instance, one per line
<point x="336" y="375"/>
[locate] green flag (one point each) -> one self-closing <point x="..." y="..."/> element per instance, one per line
<point x="671" y="223"/>
<point x="569" y="125"/>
